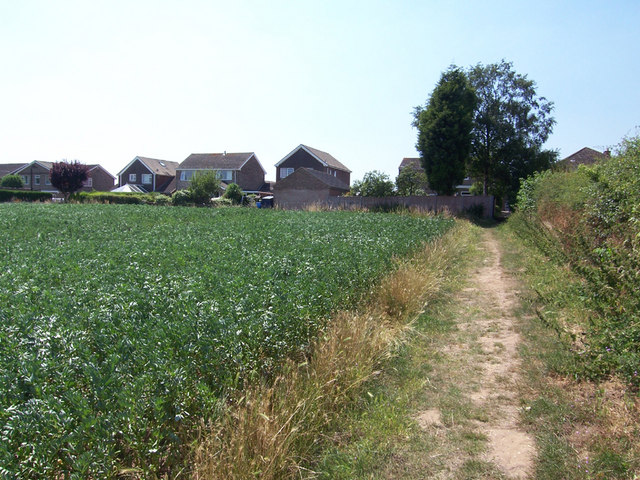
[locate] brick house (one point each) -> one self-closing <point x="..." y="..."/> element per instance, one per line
<point x="36" y="176"/>
<point x="306" y="186"/>
<point x="243" y="169"/>
<point x="149" y="175"/>
<point x="306" y="157"/>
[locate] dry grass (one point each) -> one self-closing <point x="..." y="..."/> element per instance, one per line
<point x="275" y="429"/>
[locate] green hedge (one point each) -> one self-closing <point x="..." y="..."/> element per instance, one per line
<point x="589" y="220"/>
<point x="24" y="195"/>
<point x="121" y="198"/>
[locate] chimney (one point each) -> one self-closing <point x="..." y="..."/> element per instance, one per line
<point x="607" y="153"/>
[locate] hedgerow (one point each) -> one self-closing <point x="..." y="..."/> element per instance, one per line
<point x="120" y="198"/>
<point x="24" y="195"/>
<point x="589" y="220"/>
<point x="122" y="326"/>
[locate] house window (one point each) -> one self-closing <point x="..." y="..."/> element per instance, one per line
<point x="225" y="175"/>
<point x="36" y="179"/>
<point x="147" y="178"/>
<point x="186" y="175"/>
<point x="88" y="182"/>
<point x="47" y="180"/>
<point x="132" y="177"/>
<point x="25" y="179"/>
<point x="285" y="172"/>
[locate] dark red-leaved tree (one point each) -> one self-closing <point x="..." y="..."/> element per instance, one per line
<point x="68" y="177"/>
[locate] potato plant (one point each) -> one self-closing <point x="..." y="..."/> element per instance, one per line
<point x="124" y="326"/>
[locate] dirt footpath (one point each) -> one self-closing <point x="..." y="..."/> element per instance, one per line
<point x="477" y="374"/>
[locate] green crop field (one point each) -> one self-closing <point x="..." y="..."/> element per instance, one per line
<point x="121" y="327"/>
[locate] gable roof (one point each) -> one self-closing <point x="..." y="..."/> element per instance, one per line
<point x="46" y="165"/>
<point x="323" y="157"/>
<point x="327" y="180"/>
<point x="9" y="168"/>
<point x="98" y="166"/>
<point x="406" y="161"/>
<point x="154" y="165"/>
<point x="584" y="156"/>
<point x="218" y="161"/>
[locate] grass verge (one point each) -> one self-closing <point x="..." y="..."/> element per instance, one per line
<point x="277" y="430"/>
<point x="584" y="429"/>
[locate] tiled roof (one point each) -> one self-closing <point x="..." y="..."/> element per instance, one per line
<point x="215" y="161"/>
<point x="410" y="161"/>
<point x="327" y="158"/>
<point x="8" y="168"/>
<point x="584" y="156"/>
<point x="327" y="179"/>
<point x="160" y="167"/>
<point x="322" y="157"/>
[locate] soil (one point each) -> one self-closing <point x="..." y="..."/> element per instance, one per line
<point x="487" y="345"/>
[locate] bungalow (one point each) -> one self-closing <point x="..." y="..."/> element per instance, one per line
<point x="304" y="156"/>
<point x="149" y="175"/>
<point x="243" y="169"/>
<point x="306" y="186"/>
<point x="9" y="168"/>
<point x="36" y="176"/>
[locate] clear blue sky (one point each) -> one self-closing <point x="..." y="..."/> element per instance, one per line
<point x="102" y="81"/>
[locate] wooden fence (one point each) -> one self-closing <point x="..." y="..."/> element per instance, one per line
<point x="481" y="205"/>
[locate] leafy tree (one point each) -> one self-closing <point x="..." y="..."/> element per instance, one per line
<point x="412" y="181"/>
<point x="12" y="181"/>
<point x="444" y="131"/>
<point x="510" y="125"/>
<point x="68" y="177"/>
<point x="373" y="184"/>
<point x="234" y="193"/>
<point x="204" y="185"/>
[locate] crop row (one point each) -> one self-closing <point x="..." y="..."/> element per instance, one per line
<point x="121" y="327"/>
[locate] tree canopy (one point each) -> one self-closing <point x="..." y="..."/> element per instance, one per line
<point x="373" y="184"/>
<point x="68" y="177"/>
<point x="510" y="125"/>
<point x="412" y="181"/>
<point x="444" y="131"/>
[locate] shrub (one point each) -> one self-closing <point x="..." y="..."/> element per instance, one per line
<point x="204" y="185"/>
<point x="234" y="193"/>
<point x="12" y="181"/>
<point x="182" y="197"/>
<point x="221" y="202"/>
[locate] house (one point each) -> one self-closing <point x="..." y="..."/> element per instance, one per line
<point x="149" y="175"/>
<point x="416" y="164"/>
<point x="36" y="176"/>
<point x="584" y="156"/>
<point x="462" y="189"/>
<point x="410" y="161"/>
<point x="243" y="169"/>
<point x="306" y="186"/>
<point x="306" y="157"/>
<point x="9" y="168"/>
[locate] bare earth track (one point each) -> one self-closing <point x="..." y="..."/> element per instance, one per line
<point x="482" y="363"/>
